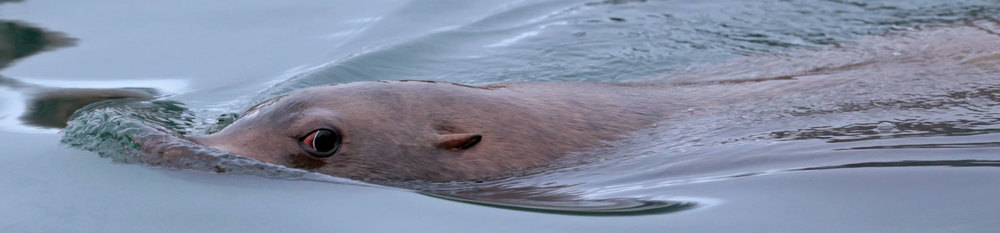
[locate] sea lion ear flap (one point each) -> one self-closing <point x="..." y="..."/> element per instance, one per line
<point x="458" y="141"/>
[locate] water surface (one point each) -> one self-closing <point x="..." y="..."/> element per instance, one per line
<point x="868" y="156"/>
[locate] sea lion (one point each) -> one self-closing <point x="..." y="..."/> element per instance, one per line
<point x="439" y="131"/>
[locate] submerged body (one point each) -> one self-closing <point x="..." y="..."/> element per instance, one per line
<point x="436" y="131"/>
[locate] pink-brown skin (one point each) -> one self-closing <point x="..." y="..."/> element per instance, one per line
<point x="394" y="130"/>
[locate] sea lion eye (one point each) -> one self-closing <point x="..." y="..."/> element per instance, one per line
<point x="322" y="143"/>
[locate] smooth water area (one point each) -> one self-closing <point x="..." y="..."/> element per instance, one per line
<point x="869" y="156"/>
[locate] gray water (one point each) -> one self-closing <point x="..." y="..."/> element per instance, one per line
<point x="896" y="156"/>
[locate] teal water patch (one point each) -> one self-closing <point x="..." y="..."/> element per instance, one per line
<point x="110" y="128"/>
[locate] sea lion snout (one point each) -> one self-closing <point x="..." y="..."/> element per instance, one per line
<point x="225" y="144"/>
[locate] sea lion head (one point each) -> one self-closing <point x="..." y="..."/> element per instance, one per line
<point x="368" y="130"/>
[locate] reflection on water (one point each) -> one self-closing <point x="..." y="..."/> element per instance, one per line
<point x="46" y="106"/>
<point x="19" y="40"/>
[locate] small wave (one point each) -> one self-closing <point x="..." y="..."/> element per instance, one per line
<point x="583" y="207"/>
<point x="151" y="133"/>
